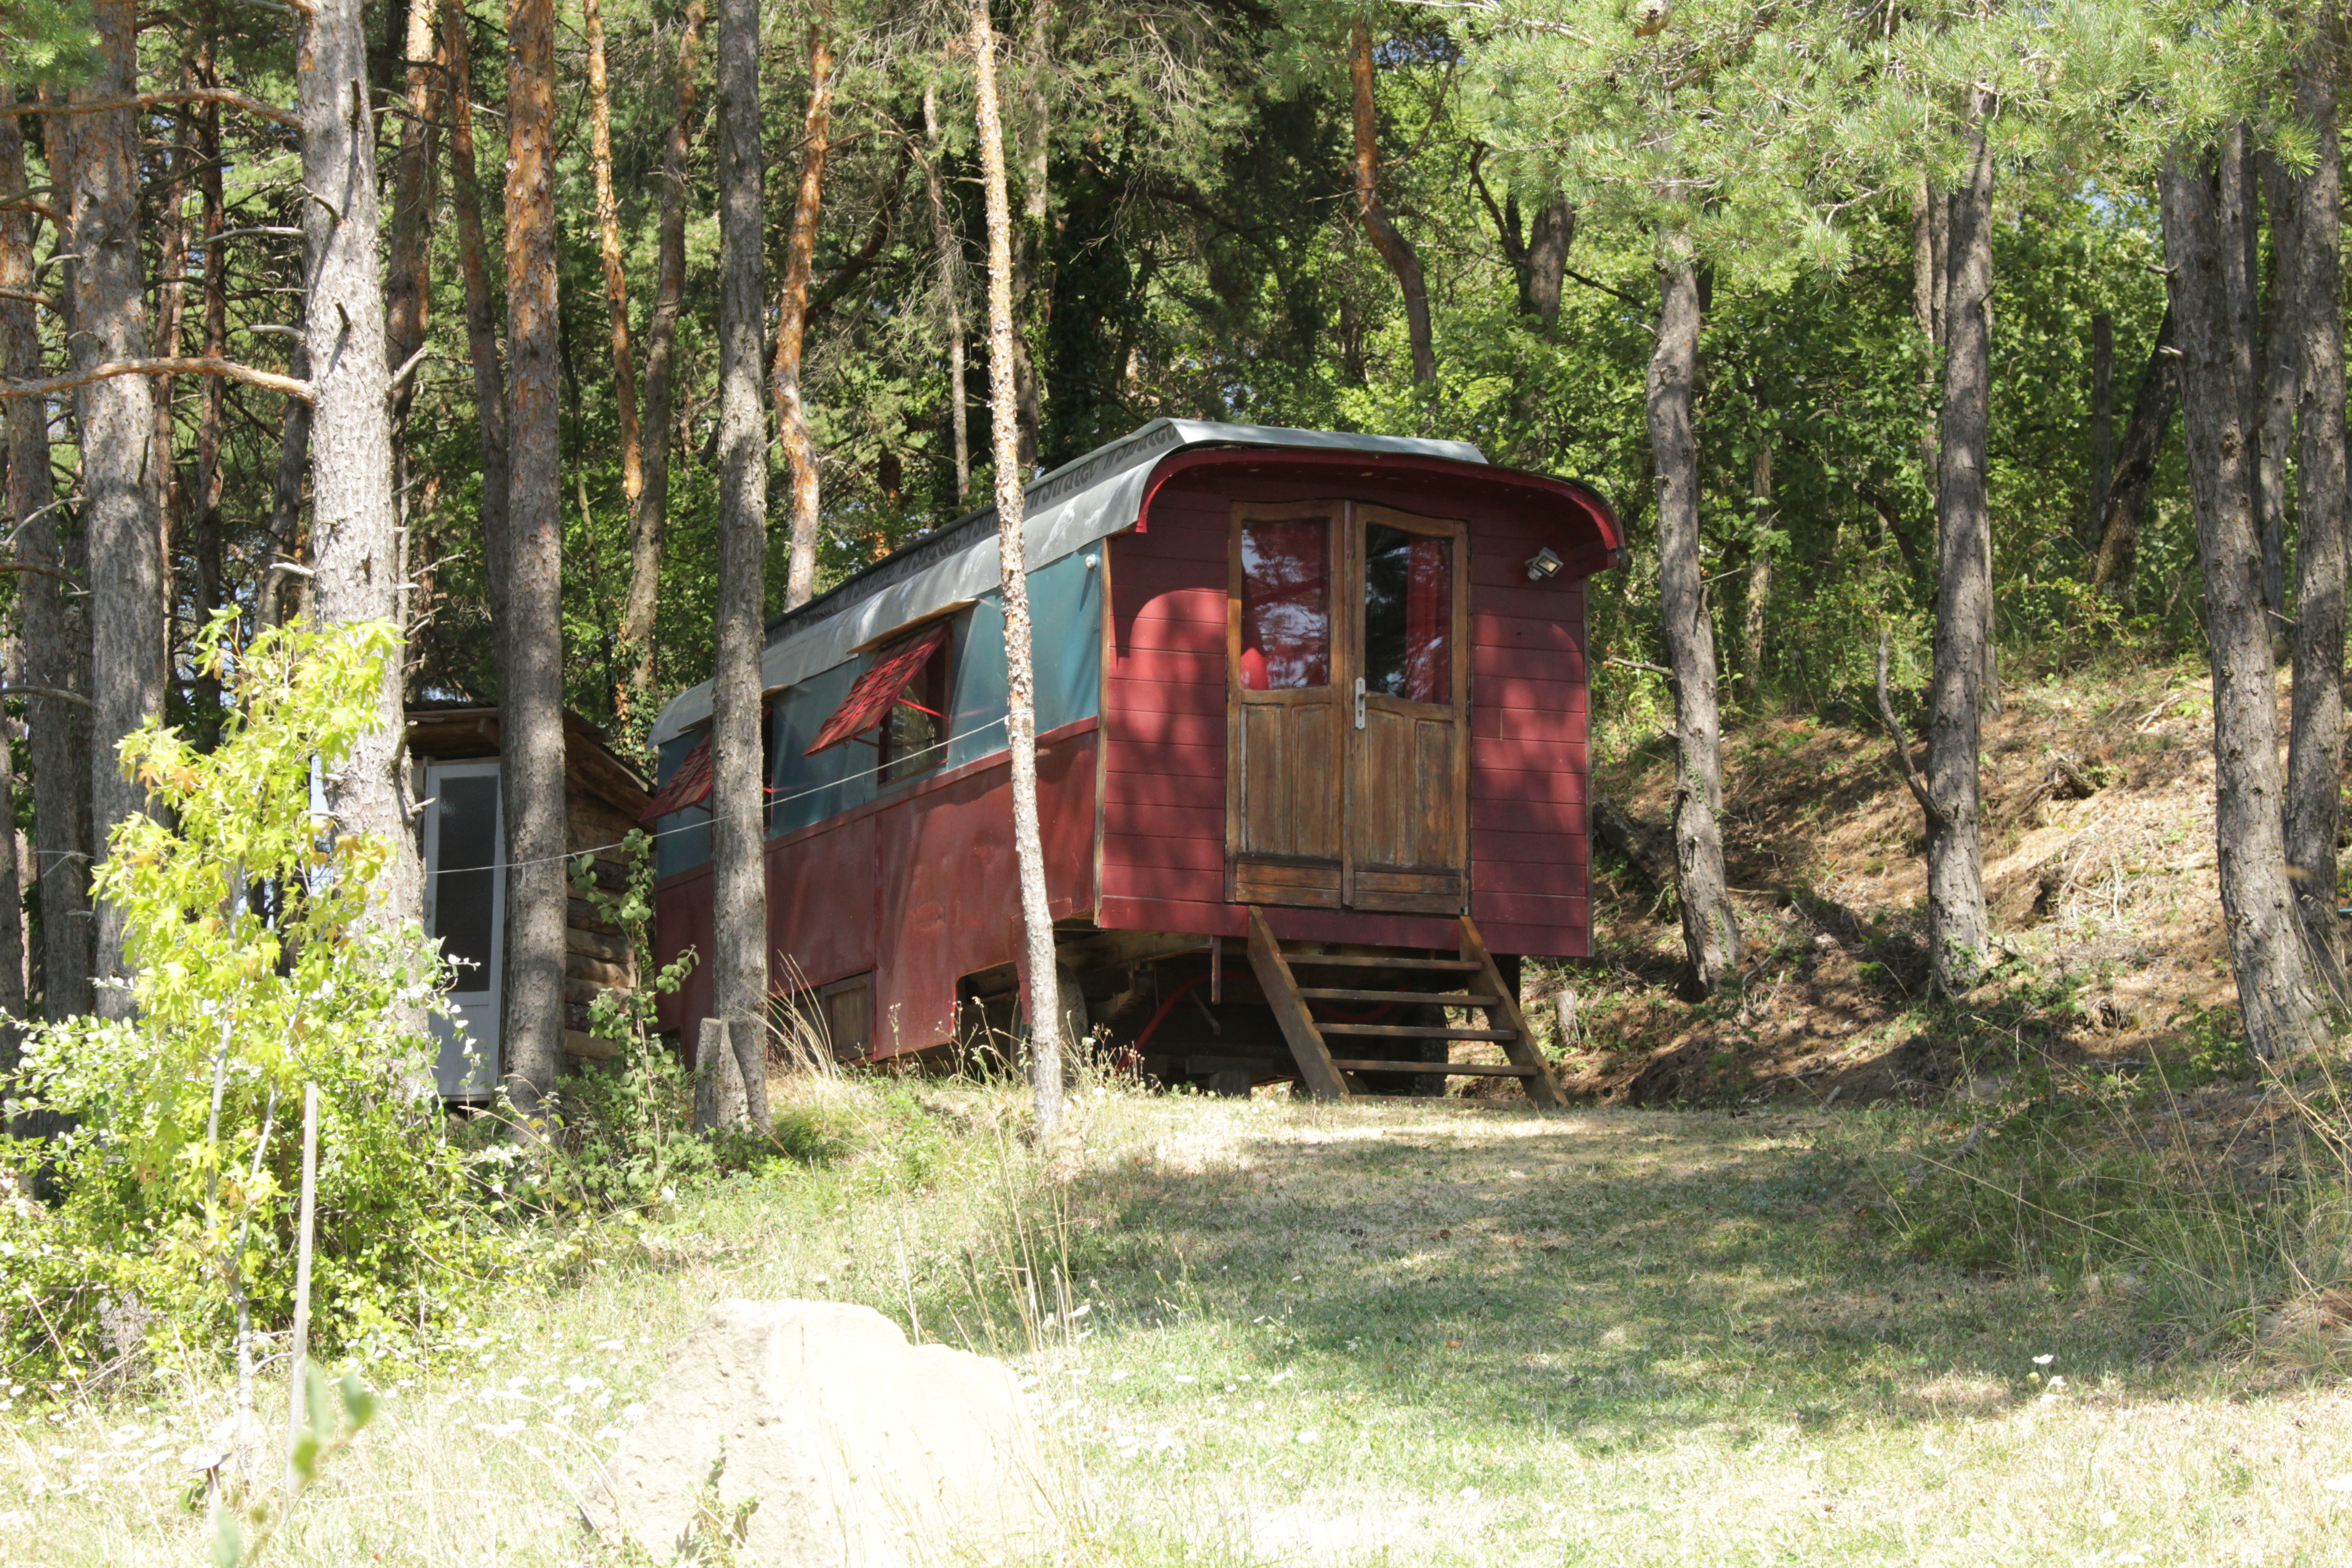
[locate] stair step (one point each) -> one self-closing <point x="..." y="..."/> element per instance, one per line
<point x="1375" y="960"/>
<point x="1451" y="1070"/>
<point x="1411" y="1032"/>
<point x="1427" y="998"/>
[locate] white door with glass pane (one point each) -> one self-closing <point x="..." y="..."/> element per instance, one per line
<point x="464" y="909"/>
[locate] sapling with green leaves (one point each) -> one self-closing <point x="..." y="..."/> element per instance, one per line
<point x="256" y="969"/>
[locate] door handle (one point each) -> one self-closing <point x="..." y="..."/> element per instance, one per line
<point x="1359" y="702"/>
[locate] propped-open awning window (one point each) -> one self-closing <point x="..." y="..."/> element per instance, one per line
<point x="689" y="786"/>
<point x="913" y="663"/>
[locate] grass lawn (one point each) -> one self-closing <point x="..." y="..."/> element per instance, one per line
<point x="1267" y="1332"/>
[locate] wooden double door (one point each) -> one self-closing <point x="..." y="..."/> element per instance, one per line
<point x="1348" y="689"/>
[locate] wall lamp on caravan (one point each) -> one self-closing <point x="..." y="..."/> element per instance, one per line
<point x="1543" y="565"/>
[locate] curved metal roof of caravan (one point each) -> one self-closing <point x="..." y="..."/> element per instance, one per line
<point x="1084" y="501"/>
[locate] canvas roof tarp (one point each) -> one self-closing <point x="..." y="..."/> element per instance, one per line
<point x="1076" y="505"/>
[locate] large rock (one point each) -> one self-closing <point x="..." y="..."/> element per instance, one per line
<point x="861" y="1451"/>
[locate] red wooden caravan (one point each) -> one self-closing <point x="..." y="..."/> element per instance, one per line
<point x="1311" y="736"/>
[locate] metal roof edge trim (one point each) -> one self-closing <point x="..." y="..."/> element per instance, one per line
<point x="1068" y="507"/>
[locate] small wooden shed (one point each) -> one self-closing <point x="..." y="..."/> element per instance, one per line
<point x="453" y="750"/>
<point x="1312" y="703"/>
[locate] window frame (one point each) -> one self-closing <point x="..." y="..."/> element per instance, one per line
<point x="932" y="687"/>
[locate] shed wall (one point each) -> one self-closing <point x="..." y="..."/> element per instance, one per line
<point x="1165" y="721"/>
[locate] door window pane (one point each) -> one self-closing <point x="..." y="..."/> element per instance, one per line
<point x="1408" y="615"/>
<point x="465" y="877"/>
<point x="1285" y="603"/>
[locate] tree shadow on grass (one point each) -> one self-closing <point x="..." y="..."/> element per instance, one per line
<point x="1617" y="1277"/>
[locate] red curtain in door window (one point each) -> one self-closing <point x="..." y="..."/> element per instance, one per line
<point x="1285" y="603"/>
<point x="1429" y="621"/>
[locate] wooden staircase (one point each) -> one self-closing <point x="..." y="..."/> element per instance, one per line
<point x="1333" y="1078"/>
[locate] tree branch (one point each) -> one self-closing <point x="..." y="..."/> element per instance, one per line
<point x="1902" y="746"/>
<point x="49" y="386"/>
<point x="75" y="697"/>
<point x="234" y="100"/>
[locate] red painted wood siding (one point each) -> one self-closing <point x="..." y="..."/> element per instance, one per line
<point x="1164" y="713"/>
<point x="917" y="887"/>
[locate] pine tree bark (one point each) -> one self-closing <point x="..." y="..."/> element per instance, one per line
<point x="122" y="512"/>
<point x="2133" y="488"/>
<point x="530" y="637"/>
<point x="1395" y="248"/>
<point x="951" y="250"/>
<point x="739" y="964"/>
<point x="481" y="325"/>
<point x="1020" y="704"/>
<point x="2308" y="232"/>
<point x="2204" y="272"/>
<point x="649" y="518"/>
<point x="1959" y="931"/>
<point x="1710" y="926"/>
<point x="355" y="539"/>
<point x="793" y="312"/>
<point x="60" y="842"/>
<point x="608" y="250"/>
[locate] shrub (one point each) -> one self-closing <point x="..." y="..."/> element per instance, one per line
<point x="258" y="966"/>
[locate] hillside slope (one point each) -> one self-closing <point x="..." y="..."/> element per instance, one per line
<point x="2099" y="861"/>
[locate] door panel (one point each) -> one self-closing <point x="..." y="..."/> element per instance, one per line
<point x="1348" y="699"/>
<point x="1408" y="844"/>
<point x="1286" y="753"/>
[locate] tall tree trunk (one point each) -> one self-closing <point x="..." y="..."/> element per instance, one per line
<point x="280" y="598"/>
<point x="950" y="249"/>
<point x="793" y="312"/>
<point x="608" y="247"/>
<point x="2133" y="488"/>
<point x="1548" y="242"/>
<point x="2277" y="389"/>
<point x="2308" y="230"/>
<point x="1959" y="931"/>
<point x="649" y="518"/>
<point x="355" y="540"/>
<point x="1395" y="248"/>
<point x="2204" y="268"/>
<point x="170" y="222"/>
<point x="1710" y="926"/>
<point x="481" y="322"/>
<point x="2242" y="227"/>
<point x="531" y="638"/>
<point x="739" y="962"/>
<point x="122" y="515"/>
<point x="2103" y="425"/>
<point x="60" y="842"/>
<point x="212" y="392"/>
<point x="1020" y="702"/>
<point x="408" y="286"/>
<point x="1759" y="598"/>
<point x="12" y="1009"/>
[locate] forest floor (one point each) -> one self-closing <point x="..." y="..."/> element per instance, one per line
<point x="2099" y="866"/>
<point x="1360" y="1335"/>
